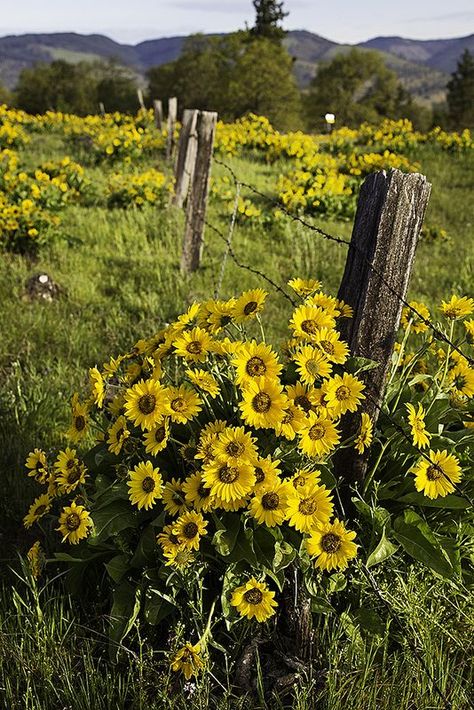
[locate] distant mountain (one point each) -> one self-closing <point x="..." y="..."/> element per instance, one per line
<point x="423" y="66"/>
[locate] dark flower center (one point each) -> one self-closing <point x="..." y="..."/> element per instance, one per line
<point x="203" y="492"/>
<point x="331" y="542"/>
<point x="235" y="448"/>
<point x="270" y="501"/>
<point x="255" y="367"/>
<point x="194" y="347"/>
<point x="160" y="434"/>
<point x="40" y="510"/>
<point x="304" y="402"/>
<point x="147" y="403"/>
<point x="309" y="326"/>
<point x="262" y="402"/>
<point x="253" y="596"/>
<point x="80" y="422"/>
<point x="250" y="307"/>
<point x="148" y="484"/>
<point x="308" y="506"/>
<point x="259" y="475"/>
<point x="228" y="474"/>
<point x="72" y="521"/>
<point x="190" y="530"/>
<point x="178" y="404"/>
<point x="316" y="432"/>
<point x="433" y="473"/>
<point x="327" y="346"/>
<point x="343" y="393"/>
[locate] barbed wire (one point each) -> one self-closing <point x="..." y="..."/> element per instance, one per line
<point x="438" y="334"/>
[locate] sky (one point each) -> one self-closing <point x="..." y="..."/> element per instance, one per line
<point x="131" y="21"/>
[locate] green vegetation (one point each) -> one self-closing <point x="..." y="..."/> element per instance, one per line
<point x="461" y="93"/>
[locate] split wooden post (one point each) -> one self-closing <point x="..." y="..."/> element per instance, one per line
<point x="140" y="99"/>
<point x="390" y="213"/>
<point x="187" y="150"/>
<point x="158" y="110"/>
<point x="198" y="194"/>
<point x="172" y="117"/>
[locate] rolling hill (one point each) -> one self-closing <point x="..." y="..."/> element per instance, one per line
<point x="422" y="65"/>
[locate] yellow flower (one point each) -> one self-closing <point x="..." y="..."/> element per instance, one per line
<point x="457" y="307"/>
<point x="38" y="508"/>
<point x="254" y="600"/>
<point x="66" y="460"/>
<point x="145" y="485"/>
<point x="462" y="378"/>
<point x="304" y="287"/>
<point x="179" y="557"/>
<point x="303" y="478"/>
<point x="343" y="394"/>
<point x="36" y="559"/>
<point x="249" y="304"/>
<point x="173" y="497"/>
<point x="117" y="435"/>
<point x="302" y="396"/>
<point x="74" y="523"/>
<point x="416" y="420"/>
<point x="197" y="494"/>
<point x="469" y="326"/>
<point x="194" y="345"/>
<point x="293" y="420"/>
<point x="318" y="436"/>
<point x="146" y="403"/>
<point x="188" y="529"/>
<point x="229" y="481"/>
<point x="266" y="472"/>
<point x="188" y="660"/>
<point x="205" y="381"/>
<point x="331" y="544"/>
<point x="417" y="324"/>
<point x="37" y="465"/>
<point x="157" y="439"/>
<point x="218" y="314"/>
<point x="80" y="412"/>
<point x="167" y="539"/>
<point x="183" y="404"/>
<point x="263" y="403"/>
<point x="436" y="477"/>
<point x="234" y="445"/>
<point x="308" y="320"/>
<point x="309" y="506"/>
<point x="334" y="348"/>
<point x="70" y="478"/>
<point x="268" y="505"/>
<point x="252" y="360"/>
<point x="365" y="435"/>
<point x="312" y="364"/>
<point x="97" y="386"/>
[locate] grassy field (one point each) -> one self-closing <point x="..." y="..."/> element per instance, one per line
<point x="119" y="277"/>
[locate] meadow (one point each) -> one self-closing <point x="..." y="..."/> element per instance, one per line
<point x="100" y="226"/>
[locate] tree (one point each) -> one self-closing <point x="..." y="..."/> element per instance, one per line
<point x="357" y="87"/>
<point x="460" y="96"/>
<point x="58" y="86"/>
<point x="116" y="87"/>
<point x="5" y="96"/>
<point x="268" y="14"/>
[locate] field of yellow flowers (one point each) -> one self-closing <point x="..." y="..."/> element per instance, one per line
<point x="168" y="443"/>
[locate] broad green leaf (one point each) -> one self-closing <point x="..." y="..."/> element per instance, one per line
<point x="225" y="538"/>
<point x="155" y="607"/>
<point x="383" y="551"/>
<point x="449" y="502"/>
<point x="112" y="519"/>
<point x="418" y="546"/>
<point x="146" y="549"/>
<point x="321" y="606"/>
<point x="125" y="608"/>
<point x="243" y="548"/>
<point x="118" y="566"/>
<point x="264" y="545"/>
<point x="284" y="555"/>
<point x="369" y="622"/>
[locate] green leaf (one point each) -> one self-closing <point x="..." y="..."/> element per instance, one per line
<point x="359" y="364"/>
<point x="449" y="502"/>
<point x="118" y="566"/>
<point x="156" y="607"/>
<point x="111" y="519"/>
<point x="264" y="545"/>
<point x="369" y="622"/>
<point x="243" y="548"/>
<point x="321" y="606"/>
<point x="146" y="548"/>
<point x="225" y="538"/>
<point x="422" y="549"/>
<point x="383" y="551"/>
<point x="284" y="555"/>
<point x="125" y="609"/>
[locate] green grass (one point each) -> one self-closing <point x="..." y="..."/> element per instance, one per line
<point x="120" y="279"/>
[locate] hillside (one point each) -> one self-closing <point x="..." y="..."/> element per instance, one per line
<point x="422" y="65"/>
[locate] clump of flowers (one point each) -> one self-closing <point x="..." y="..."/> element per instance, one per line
<point x="138" y="189"/>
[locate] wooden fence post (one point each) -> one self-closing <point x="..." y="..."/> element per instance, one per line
<point x="390" y="213"/>
<point x="187" y="149"/>
<point x="158" y="110"/>
<point x="198" y="194"/>
<point x="172" y="116"/>
<point x="140" y="99"/>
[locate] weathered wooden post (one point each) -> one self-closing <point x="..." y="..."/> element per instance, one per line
<point x="390" y="213"/>
<point x="140" y="99"/>
<point x="187" y="150"/>
<point x="158" y="111"/>
<point x="101" y="108"/>
<point x="198" y="194"/>
<point x="171" y="124"/>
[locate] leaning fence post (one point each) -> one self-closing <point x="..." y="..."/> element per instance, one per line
<point x="141" y="100"/>
<point x="187" y="149"/>
<point x="158" y="110"/>
<point x="390" y="213"/>
<point x="198" y="194"/>
<point x="172" y="116"/>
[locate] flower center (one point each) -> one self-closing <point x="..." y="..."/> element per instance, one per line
<point x="327" y="346"/>
<point x="250" y="307"/>
<point x="70" y="463"/>
<point x="190" y="530"/>
<point x="316" y="432"/>
<point x="235" y="448"/>
<point x="178" y="404"/>
<point x="228" y="474"/>
<point x="148" y="484"/>
<point x="72" y="521"/>
<point x="253" y="596"/>
<point x="203" y="492"/>
<point x="146" y="403"/>
<point x="288" y="418"/>
<point x="262" y="402"/>
<point x="331" y="542"/>
<point x="194" y="347"/>
<point x="80" y="422"/>
<point x="160" y="434"/>
<point x="308" y="506"/>
<point x="309" y="326"/>
<point x="460" y="382"/>
<point x="270" y="501"/>
<point x="74" y="475"/>
<point x="255" y="367"/>
<point x="343" y="393"/>
<point x="433" y="473"/>
<point x="313" y="367"/>
<point x="303" y="401"/>
<point x="259" y="475"/>
<point x="40" y="510"/>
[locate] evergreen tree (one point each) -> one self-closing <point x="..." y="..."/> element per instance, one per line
<point x="268" y="14"/>
<point x="461" y="93"/>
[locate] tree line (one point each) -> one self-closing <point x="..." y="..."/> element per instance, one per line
<point x="248" y="71"/>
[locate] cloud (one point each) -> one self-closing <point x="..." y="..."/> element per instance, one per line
<point x="233" y="8"/>
<point x="460" y="16"/>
